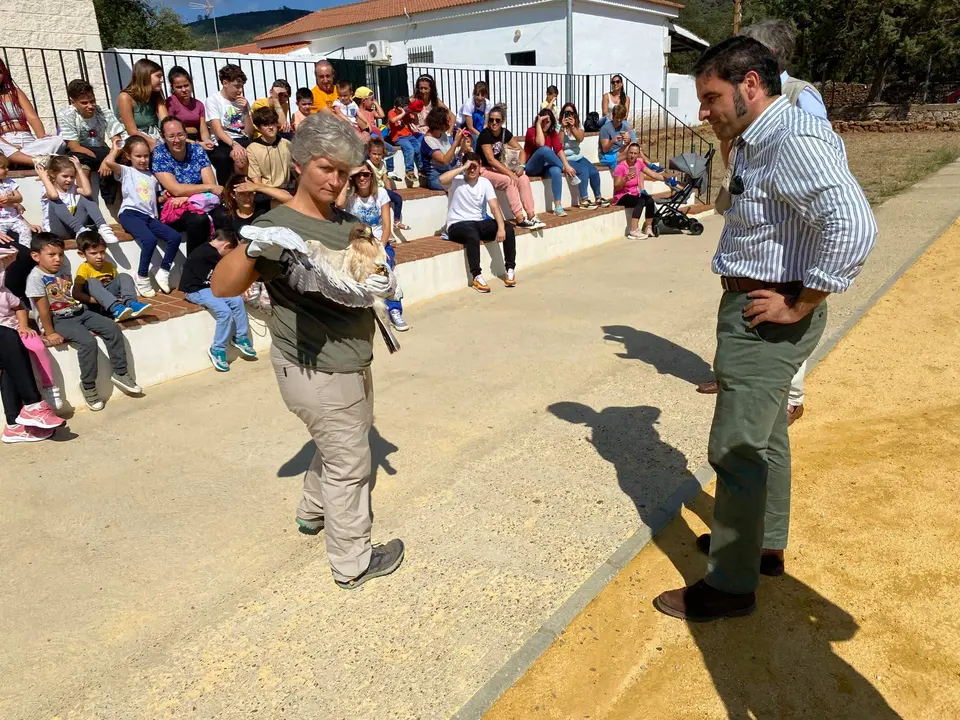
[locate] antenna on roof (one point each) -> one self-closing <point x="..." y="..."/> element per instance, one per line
<point x="208" y="10"/>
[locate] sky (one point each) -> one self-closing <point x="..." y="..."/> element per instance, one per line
<point x="228" y="7"/>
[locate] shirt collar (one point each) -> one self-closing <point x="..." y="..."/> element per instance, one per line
<point x="758" y="130"/>
<point x="784" y="77"/>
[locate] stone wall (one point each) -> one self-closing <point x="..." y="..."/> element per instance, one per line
<point x="57" y="24"/>
<point x="913" y="113"/>
<point x="902" y="126"/>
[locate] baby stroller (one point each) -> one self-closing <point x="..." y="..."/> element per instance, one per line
<point x="669" y="218"/>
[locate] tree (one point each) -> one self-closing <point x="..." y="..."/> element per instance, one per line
<point x="138" y="24"/>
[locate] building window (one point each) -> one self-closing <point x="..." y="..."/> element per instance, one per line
<point x="674" y="94"/>
<point x="420" y="55"/>
<point x="528" y="58"/>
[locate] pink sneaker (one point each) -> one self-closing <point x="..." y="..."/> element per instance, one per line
<point x="25" y="433"/>
<point x="41" y="416"/>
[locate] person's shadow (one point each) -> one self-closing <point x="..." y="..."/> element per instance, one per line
<point x="778" y="662"/>
<point x="380" y="451"/>
<point x="665" y="356"/>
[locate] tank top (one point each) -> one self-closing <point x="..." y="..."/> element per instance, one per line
<point x="11" y="115"/>
<point x="145" y="118"/>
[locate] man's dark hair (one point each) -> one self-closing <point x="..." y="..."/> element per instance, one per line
<point x="732" y="59"/>
<point x="438" y="119"/>
<point x="88" y="240"/>
<point x="78" y="87"/>
<point x="40" y="240"/>
<point x="232" y="73"/>
<point x="345" y="86"/>
<point x="552" y="90"/>
<point x="282" y="84"/>
<point x="304" y="94"/>
<point x="470" y="155"/>
<point x="265" y="116"/>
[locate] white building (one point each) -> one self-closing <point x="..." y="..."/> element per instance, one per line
<point x="632" y="37"/>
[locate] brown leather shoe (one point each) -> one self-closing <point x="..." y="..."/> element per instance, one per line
<point x="771" y="561"/>
<point x="794" y="413"/>
<point x="701" y="603"/>
<point x="708" y="388"/>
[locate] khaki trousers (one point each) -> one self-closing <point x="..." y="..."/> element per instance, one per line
<point x="337" y="409"/>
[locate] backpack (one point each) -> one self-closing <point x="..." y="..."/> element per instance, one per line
<point x="592" y="123"/>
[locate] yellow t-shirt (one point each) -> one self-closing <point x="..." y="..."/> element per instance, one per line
<point x="265" y="102"/>
<point x="323" y="99"/>
<point x="87" y="272"/>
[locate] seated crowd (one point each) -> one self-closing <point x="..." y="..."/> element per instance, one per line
<point x="186" y="170"/>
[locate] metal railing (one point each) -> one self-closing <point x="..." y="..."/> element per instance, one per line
<point x="660" y="133"/>
<point x="43" y="74"/>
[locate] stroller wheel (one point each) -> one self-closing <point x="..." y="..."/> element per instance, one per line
<point x="696" y="227"/>
<point x="656" y="228"/>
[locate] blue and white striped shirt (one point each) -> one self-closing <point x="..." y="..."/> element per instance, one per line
<point x="802" y="215"/>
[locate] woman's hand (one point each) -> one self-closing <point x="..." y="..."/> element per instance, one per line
<point x="246" y="187"/>
<point x="519" y="172"/>
<point x="570" y="172"/>
<point x="176" y="202"/>
<point x="26" y="332"/>
<point x="207" y="144"/>
<point x="632" y="174"/>
<point x="215" y="189"/>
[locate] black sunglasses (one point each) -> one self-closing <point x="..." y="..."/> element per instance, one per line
<point x="736" y="185"/>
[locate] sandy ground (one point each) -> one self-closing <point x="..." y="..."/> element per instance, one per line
<point x="864" y="624"/>
<point x="150" y="561"/>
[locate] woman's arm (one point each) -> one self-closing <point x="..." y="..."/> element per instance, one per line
<point x="578" y="133"/>
<point x="515" y="145"/>
<point x="161" y="110"/>
<point x="495" y="165"/>
<point x="341" y="201"/>
<point x="605" y="105"/>
<point x="653" y="175"/>
<point x="538" y="136"/>
<point x="176" y="189"/>
<point x="627" y="105"/>
<point x="619" y="182"/>
<point x="33" y="120"/>
<point x="446" y="158"/>
<point x="234" y="274"/>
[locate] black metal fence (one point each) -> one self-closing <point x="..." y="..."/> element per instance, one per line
<point x="43" y="74"/>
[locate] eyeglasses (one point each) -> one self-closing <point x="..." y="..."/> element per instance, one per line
<point x="615" y="81"/>
<point x="494" y="120"/>
<point x="363" y="175"/>
<point x="736" y="185"/>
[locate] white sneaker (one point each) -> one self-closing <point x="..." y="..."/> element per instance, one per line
<point x="163" y="280"/>
<point x="538" y="223"/>
<point x="54" y="399"/>
<point x="636" y="234"/>
<point x="144" y="286"/>
<point x="109" y="237"/>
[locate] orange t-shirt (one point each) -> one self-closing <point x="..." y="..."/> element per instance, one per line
<point x="322" y="98"/>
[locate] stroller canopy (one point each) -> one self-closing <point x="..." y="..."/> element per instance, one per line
<point x="691" y="164"/>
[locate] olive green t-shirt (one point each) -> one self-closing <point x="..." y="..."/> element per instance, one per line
<point x="307" y="328"/>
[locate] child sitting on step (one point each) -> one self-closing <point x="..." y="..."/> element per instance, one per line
<point x="11" y="213"/>
<point x="63" y="319"/>
<point x="229" y="312"/>
<point x="99" y="283"/>
<point x="66" y="204"/>
<point x="138" y="212"/>
<point x="376" y="152"/>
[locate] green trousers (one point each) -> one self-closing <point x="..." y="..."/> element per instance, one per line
<point x="749" y="447"/>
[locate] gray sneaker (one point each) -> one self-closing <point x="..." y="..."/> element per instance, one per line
<point x="126" y="382"/>
<point x="383" y="560"/>
<point x="92" y="398"/>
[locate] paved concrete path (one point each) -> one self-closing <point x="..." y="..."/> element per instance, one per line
<point x="864" y="624"/>
<point x="153" y="568"/>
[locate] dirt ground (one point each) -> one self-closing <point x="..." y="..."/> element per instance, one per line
<point x="864" y="624"/>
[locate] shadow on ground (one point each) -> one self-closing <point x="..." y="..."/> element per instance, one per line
<point x="380" y="450"/>
<point x="775" y="663"/>
<point x="666" y="357"/>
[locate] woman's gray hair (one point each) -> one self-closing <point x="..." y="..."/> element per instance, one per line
<point x="327" y="136"/>
<point x="777" y="36"/>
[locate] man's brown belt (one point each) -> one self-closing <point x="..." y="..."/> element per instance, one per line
<point x="741" y="284"/>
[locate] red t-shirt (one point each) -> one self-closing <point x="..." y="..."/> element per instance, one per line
<point x="550" y="140"/>
<point x="399" y="123"/>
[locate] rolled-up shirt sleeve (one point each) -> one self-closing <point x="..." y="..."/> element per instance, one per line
<point x="813" y="178"/>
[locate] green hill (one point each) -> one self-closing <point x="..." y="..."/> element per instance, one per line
<point x="241" y="28"/>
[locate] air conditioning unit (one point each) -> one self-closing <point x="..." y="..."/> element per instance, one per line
<point x="378" y="52"/>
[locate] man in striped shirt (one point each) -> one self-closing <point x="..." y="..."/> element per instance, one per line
<point x="798" y="229"/>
